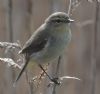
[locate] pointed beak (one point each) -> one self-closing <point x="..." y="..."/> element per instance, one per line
<point x="71" y="20"/>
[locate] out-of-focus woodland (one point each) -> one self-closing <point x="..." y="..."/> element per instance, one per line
<point x="20" y="18"/>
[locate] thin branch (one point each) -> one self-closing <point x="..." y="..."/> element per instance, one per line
<point x="58" y="65"/>
<point x="57" y="72"/>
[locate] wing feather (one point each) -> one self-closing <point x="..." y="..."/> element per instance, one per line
<point x="36" y="43"/>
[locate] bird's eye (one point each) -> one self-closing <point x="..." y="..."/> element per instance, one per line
<point x="57" y="21"/>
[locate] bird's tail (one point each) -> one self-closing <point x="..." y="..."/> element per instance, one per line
<point x="21" y="72"/>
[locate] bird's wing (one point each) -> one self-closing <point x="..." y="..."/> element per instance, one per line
<point x="31" y="47"/>
<point x="36" y="43"/>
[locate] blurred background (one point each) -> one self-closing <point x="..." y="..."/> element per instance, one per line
<point x="20" y="18"/>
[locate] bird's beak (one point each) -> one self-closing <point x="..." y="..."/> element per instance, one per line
<point x="71" y="20"/>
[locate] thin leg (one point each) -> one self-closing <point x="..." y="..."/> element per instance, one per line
<point x="55" y="80"/>
<point x="45" y="71"/>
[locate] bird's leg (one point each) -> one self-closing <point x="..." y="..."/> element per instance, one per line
<point x="55" y="80"/>
<point x="44" y="71"/>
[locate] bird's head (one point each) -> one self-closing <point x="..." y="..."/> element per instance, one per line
<point x="58" y="19"/>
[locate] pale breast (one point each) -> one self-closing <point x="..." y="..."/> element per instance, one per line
<point x="54" y="48"/>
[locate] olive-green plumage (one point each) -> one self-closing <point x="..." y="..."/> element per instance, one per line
<point x="49" y="41"/>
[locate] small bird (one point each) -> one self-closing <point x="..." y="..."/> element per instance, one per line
<point x="49" y="41"/>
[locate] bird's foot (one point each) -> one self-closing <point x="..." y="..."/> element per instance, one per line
<point x="55" y="80"/>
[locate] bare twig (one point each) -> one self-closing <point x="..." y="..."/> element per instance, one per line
<point x="57" y="72"/>
<point x="91" y="1"/>
<point x="69" y="77"/>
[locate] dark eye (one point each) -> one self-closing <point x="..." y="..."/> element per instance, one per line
<point x="57" y="21"/>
